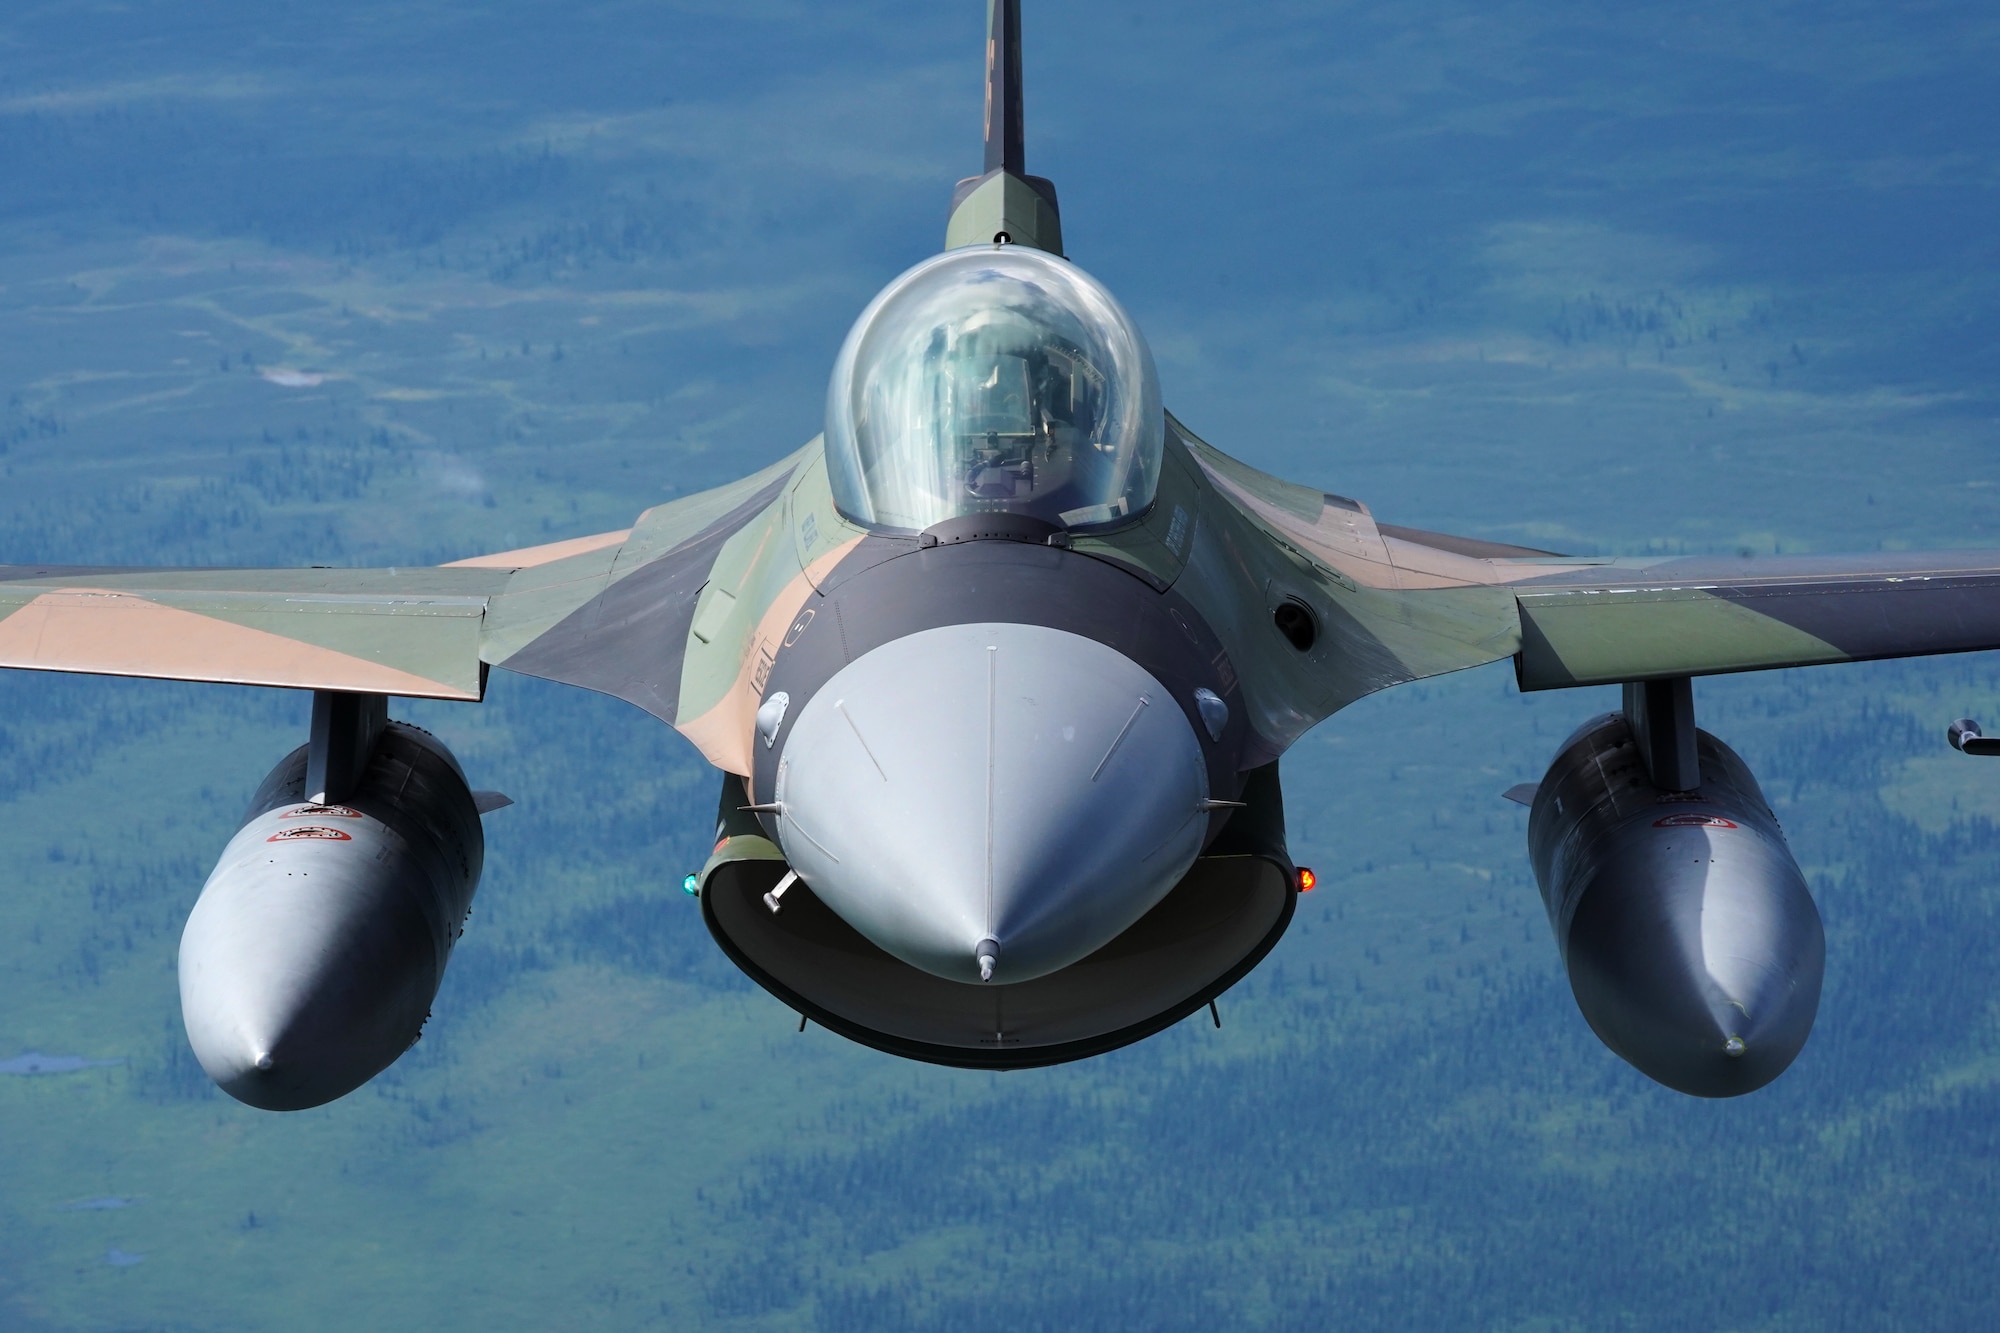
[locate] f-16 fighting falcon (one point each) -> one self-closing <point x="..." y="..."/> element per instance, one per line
<point x="998" y="673"/>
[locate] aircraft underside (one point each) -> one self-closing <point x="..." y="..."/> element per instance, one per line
<point x="1212" y="928"/>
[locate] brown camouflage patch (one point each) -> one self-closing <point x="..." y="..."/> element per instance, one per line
<point x="530" y="556"/>
<point x="118" y="634"/>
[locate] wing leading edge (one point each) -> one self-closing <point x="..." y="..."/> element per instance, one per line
<point x="1704" y="616"/>
<point x="1570" y="621"/>
<point x="411" y="632"/>
<point x="672" y="614"/>
<point x="608" y="612"/>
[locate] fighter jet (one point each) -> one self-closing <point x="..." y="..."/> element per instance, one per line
<point x="998" y="673"/>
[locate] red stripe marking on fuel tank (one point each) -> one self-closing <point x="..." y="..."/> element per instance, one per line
<point x="309" y="831"/>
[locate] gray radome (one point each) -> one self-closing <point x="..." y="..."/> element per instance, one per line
<point x="1005" y="783"/>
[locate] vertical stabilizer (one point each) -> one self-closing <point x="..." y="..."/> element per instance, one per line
<point x="1006" y="132"/>
<point x="1005" y="203"/>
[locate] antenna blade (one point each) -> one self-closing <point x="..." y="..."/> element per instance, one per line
<point x="1006" y="135"/>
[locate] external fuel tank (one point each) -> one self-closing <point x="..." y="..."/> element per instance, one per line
<point x="311" y="958"/>
<point x="1692" y="945"/>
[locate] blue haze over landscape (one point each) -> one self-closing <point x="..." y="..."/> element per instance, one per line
<point x="387" y="284"/>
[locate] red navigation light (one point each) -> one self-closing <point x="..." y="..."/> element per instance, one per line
<point x="1306" y="880"/>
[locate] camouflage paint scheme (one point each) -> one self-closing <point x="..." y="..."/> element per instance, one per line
<point x="979" y="919"/>
<point x="684" y="613"/>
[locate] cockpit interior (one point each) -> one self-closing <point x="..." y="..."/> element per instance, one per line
<point x="994" y="378"/>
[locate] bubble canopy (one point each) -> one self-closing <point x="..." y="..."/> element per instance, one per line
<point x="994" y="379"/>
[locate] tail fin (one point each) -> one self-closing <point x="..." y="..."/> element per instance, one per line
<point x="1005" y="204"/>
<point x="1006" y="132"/>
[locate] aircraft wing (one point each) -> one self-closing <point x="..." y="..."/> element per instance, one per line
<point x="1648" y="620"/>
<point x="599" y="611"/>
<point x="412" y="632"/>
<point x="1431" y="602"/>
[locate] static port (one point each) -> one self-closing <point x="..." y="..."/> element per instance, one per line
<point x="1294" y="620"/>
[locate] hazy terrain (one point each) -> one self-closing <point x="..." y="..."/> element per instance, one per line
<point x="381" y="284"/>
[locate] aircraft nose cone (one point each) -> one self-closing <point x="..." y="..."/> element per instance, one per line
<point x="991" y="802"/>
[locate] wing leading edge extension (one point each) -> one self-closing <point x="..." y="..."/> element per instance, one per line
<point x="684" y="615"/>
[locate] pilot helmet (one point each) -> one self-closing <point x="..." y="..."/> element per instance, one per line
<point x="994" y="378"/>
